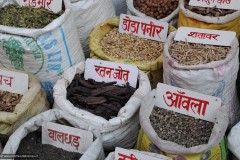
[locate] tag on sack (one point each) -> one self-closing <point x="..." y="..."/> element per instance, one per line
<point x="187" y="102"/>
<point x="143" y="27"/>
<point x="68" y="138"/>
<point x="205" y="36"/>
<point x="13" y="82"/>
<point x="106" y="71"/>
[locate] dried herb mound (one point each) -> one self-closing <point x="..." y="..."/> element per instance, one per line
<point x="100" y="98"/>
<point x="26" y="17"/>
<point x="8" y="101"/>
<point x="131" y="47"/>
<point x="157" y="9"/>
<point x="181" y="129"/>
<point x="207" y="11"/>
<point x="32" y="145"/>
<point x="194" y="54"/>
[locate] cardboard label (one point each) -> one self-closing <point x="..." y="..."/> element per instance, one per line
<point x="143" y="27"/>
<point x="205" y="36"/>
<point x="68" y="138"/>
<point x="13" y="82"/>
<point x="53" y="5"/>
<point x="110" y="71"/>
<point x="187" y="102"/>
<point x="124" y="154"/>
<point x="223" y="4"/>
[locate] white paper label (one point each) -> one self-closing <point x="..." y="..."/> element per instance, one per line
<point x="13" y="82"/>
<point x="187" y="102"/>
<point x="124" y="154"/>
<point x="53" y="5"/>
<point x="110" y="71"/>
<point x="143" y="27"/>
<point x="223" y="4"/>
<point x="205" y="36"/>
<point x="68" y="138"/>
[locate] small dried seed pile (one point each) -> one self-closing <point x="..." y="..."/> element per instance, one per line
<point x="26" y="17"/>
<point x="193" y="53"/>
<point x="157" y="9"/>
<point x="128" y="46"/>
<point x="8" y="101"/>
<point x="100" y="98"/>
<point x="181" y="129"/>
<point x="207" y="11"/>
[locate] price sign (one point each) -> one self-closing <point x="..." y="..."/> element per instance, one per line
<point x="187" y="102"/>
<point x="205" y="36"/>
<point x="53" y="5"/>
<point x="124" y="154"/>
<point x="223" y="4"/>
<point x="13" y="82"/>
<point x="143" y="27"/>
<point x="110" y="71"/>
<point x="68" y="138"/>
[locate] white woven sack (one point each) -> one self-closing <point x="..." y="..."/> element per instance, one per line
<point x="111" y="156"/>
<point x="120" y="7"/>
<point x="218" y="131"/>
<point x="170" y="18"/>
<point x="87" y="15"/>
<point x="94" y="152"/>
<point x="120" y="131"/>
<point x="46" y="52"/>
<point x="234" y="140"/>
<point x="0" y="148"/>
<point x="217" y="78"/>
<point x="207" y="19"/>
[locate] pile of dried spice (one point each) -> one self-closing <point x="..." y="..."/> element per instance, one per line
<point x="207" y="11"/>
<point x="128" y="46"/>
<point x="8" y="101"/>
<point x="26" y="17"/>
<point x="100" y="98"/>
<point x="194" y="54"/>
<point x="181" y="129"/>
<point x="156" y="8"/>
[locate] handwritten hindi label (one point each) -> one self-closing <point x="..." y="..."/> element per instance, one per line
<point x="222" y="4"/>
<point x="187" y="102"/>
<point x="53" y="5"/>
<point x="13" y="82"/>
<point x="124" y="154"/>
<point x="110" y="71"/>
<point x="143" y="27"/>
<point x="205" y="36"/>
<point x="68" y="138"/>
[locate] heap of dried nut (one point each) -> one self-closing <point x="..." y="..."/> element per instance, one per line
<point x="157" y="9"/>
<point x="207" y="11"/>
<point x="128" y="46"/>
<point x="8" y="101"/>
<point x="181" y="129"/>
<point x="100" y="98"/>
<point x="193" y="53"/>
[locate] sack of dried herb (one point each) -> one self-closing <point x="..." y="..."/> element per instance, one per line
<point x="149" y="139"/>
<point x="94" y="152"/>
<point x="46" y="52"/>
<point x="234" y="140"/>
<point x="118" y="131"/>
<point x="200" y="17"/>
<point x="87" y="15"/>
<point x="31" y="104"/>
<point x="162" y="10"/>
<point x="206" y="69"/>
<point x="111" y="156"/>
